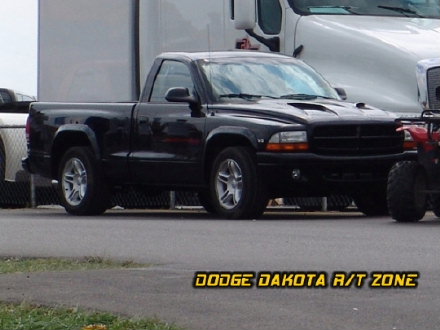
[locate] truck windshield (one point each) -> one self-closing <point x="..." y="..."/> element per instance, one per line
<point x="264" y="78"/>
<point x="402" y="8"/>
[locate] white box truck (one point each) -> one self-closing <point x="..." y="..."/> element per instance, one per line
<point x="382" y="52"/>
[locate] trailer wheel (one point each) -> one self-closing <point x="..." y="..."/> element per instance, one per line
<point x="236" y="190"/>
<point x="81" y="186"/>
<point x="372" y="202"/>
<point x="407" y="198"/>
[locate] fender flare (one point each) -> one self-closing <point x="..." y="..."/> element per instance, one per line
<point x="243" y="132"/>
<point x="227" y="131"/>
<point x="78" y="129"/>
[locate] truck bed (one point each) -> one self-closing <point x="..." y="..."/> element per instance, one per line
<point x="57" y="125"/>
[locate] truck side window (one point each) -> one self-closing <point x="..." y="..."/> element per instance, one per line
<point x="5" y="97"/>
<point x="171" y="74"/>
<point x="269" y="16"/>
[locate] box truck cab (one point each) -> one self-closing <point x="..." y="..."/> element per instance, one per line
<point x="382" y="52"/>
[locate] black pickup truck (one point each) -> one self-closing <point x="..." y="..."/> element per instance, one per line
<point x="238" y="127"/>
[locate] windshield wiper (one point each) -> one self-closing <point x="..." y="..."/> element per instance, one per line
<point x="246" y="96"/>
<point x="401" y="10"/>
<point x="303" y="97"/>
<point x="349" y="9"/>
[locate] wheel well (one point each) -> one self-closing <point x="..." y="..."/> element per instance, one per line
<point x="62" y="143"/>
<point x="219" y="143"/>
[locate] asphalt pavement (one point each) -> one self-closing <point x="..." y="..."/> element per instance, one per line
<point x="178" y="244"/>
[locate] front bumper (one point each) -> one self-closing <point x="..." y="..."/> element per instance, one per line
<point x="311" y="174"/>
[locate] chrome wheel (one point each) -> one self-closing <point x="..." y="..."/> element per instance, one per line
<point x="74" y="181"/>
<point x="236" y="191"/>
<point x="229" y="184"/>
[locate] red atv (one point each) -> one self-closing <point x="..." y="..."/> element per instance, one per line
<point x="412" y="183"/>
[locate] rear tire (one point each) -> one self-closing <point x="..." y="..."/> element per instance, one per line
<point x="407" y="200"/>
<point x="81" y="185"/>
<point x="236" y="190"/>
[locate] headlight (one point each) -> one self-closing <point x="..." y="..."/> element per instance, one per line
<point x="408" y="141"/>
<point x="428" y="77"/>
<point x="288" y="141"/>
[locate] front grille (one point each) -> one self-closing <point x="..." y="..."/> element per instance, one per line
<point x="348" y="140"/>
<point x="433" y="77"/>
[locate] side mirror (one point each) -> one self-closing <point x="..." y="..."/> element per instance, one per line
<point x="341" y="92"/>
<point x="181" y="95"/>
<point x="244" y="14"/>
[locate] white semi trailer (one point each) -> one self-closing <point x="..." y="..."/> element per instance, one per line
<point x="382" y="52"/>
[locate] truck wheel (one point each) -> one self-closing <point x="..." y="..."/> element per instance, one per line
<point x="81" y="187"/>
<point x="372" y="202"/>
<point x="406" y="197"/>
<point x="236" y="190"/>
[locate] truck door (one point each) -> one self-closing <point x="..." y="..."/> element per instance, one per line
<point x="167" y="142"/>
<point x="268" y="33"/>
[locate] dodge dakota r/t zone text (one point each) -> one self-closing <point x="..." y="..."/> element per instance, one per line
<point x="238" y="127"/>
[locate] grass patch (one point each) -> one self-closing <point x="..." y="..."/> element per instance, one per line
<point x="24" y="265"/>
<point x="25" y="316"/>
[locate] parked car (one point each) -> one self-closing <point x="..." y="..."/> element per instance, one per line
<point x="14" y="108"/>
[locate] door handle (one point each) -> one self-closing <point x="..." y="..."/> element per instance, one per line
<point x="143" y="120"/>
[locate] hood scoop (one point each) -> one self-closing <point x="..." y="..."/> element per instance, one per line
<point x="309" y="106"/>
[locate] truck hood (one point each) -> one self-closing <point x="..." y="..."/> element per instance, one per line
<point x="418" y="37"/>
<point x="306" y="112"/>
<point x="373" y="58"/>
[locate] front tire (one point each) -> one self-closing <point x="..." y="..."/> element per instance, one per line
<point x="372" y="201"/>
<point x="407" y="198"/>
<point x="81" y="186"/>
<point x="236" y="190"/>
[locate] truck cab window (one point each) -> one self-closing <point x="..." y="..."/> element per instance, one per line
<point x="269" y="16"/>
<point x="171" y="74"/>
<point x="5" y="97"/>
